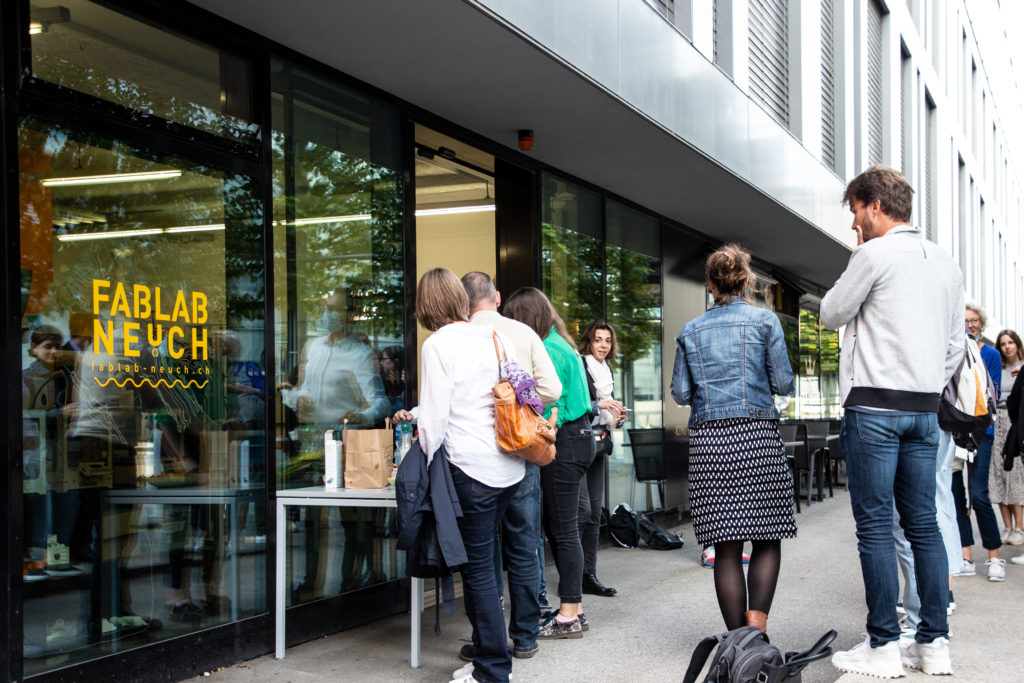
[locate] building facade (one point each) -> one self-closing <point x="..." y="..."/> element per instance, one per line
<point x="217" y="213"/>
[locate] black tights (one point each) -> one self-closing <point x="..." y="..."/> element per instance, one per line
<point x="762" y="576"/>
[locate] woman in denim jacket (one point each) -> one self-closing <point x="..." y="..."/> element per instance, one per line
<point x="729" y="362"/>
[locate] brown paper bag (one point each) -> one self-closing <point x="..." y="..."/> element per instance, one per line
<point x="367" y="455"/>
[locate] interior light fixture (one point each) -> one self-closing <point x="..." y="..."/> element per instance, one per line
<point x="195" y="228"/>
<point x="454" y="209"/>
<point x="112" y="234"/>
<point x="329" y="219"/>
<point x="75" y="237"/>
<point x="41" y="18"/>
<point x="111" y="178"/>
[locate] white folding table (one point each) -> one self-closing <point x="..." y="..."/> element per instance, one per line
<point x="318" y="496"/>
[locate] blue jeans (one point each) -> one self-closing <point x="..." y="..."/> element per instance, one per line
<point x="482" y="509"/>
<point x="945" y="515"/>
<point x="978" y="473"/>
<point x="520" y="537"/>
<point x="891" y="460"/>
<point x="560" y="483"/>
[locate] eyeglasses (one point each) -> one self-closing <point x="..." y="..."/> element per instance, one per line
<point x="972" y="321"/>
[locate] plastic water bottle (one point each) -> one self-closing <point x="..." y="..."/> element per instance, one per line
<point x="405" y="440"/>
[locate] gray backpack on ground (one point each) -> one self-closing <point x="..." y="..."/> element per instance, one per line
<point x="744" y="655"/>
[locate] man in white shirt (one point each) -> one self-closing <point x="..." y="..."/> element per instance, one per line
<point x="521" y="525"/>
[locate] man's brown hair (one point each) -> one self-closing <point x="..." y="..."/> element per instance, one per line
<point x="888" y="186"/>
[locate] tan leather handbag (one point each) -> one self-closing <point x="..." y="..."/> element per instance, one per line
<point x="517" y="427"/>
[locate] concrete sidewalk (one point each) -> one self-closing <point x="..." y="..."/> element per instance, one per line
<point x="666" y="604"/>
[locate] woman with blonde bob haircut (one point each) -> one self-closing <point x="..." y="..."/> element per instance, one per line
<point x="456" y="414"/>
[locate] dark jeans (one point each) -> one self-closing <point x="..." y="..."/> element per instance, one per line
<point x="891" y="459"/>
<point x="978" y="471"/>
<point x="963" y="521"/>
<point x="520" y="537"/>
<point x="560" y="483"/>
<point x="482" y="510"/>
<point x="589" y="522"/>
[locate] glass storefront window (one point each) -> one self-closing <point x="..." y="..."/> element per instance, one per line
<point x="603" y="263"/>
<point x="143" y="394"/>
<point x="83" y="46"/>
<point x="339" y="293"/>
<point x="571" y="252"/>
<point x="633" y="298"/>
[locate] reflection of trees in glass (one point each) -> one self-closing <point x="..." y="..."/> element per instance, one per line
<point x="80" y="59"/>
<point x="571" y="267"/>
<point x="634" y="302"/>
<point x="361" y="250"/>
<point x="810" y="340"/>
<point x="791" y="331"/>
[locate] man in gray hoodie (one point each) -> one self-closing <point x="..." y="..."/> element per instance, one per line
<point x="901" y="299"/>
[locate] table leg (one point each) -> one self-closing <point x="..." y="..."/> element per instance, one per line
<point x="233" y="549"/>
<point x="280" y="580"/>
<point x="415" y="612"/>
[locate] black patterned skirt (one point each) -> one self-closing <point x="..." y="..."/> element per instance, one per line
<point x="741" y="488"/>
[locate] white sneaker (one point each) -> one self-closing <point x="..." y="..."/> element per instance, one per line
<point x="996" y="569"/>
<point x="1004" y="535"/>
<point x="1017" y="560"/>
<point x="931" y="658"/>
<point x="884" y="661"/>
<point x="967" y="568"/>
<point x="1016" y="537"/>
<point x="466" y="670"/>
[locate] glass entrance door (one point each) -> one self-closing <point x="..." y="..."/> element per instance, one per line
<point x="454" y="207"/>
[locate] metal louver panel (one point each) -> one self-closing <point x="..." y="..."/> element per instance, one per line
<point x="714" y="31"/>
<point x="828" y="86"/>
<point x="874" y="83"/>
<point x="905" y="67"/>
<point x="929" y="174"/>
<point x="769" y="56"/>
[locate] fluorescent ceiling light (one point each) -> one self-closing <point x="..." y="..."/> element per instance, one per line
<point x="35" y="27"/>
<point x="75" y="237"/>
<point x="329" y="219"/>
<point x="196" y="228"/>
<point x="454" y="209"/>
<point x="112" y="178"/>
<point x="108" y="235"/>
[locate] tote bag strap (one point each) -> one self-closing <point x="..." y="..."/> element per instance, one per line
<point x="499" y="351"/>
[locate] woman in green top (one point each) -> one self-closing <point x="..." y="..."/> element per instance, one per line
<point x="574" y="445"/>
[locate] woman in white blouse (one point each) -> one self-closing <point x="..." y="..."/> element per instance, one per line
<point x="598" y="345"/>
<point x="456" y="410"/>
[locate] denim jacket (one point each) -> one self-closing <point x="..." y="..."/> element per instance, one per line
<point x="729" y="362"/>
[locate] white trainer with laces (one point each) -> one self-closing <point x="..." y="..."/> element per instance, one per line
<point x="996" y="569"/>
<point x="883" y="662"/>
<point x="1017" y="560"/>
<point x="1016" y="537"/>
<point x="930" y="658"/>
<point x="967" y="568"/>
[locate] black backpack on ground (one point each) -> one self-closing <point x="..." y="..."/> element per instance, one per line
<point x="745" y="655"/>
<point x="629" y="528"/>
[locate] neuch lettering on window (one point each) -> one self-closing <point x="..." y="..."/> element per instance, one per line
<point x="136" y="329"/>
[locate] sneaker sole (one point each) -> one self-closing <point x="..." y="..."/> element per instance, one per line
<point x="525" y="654"/>
<point x="853" y="670"/>
<point x="927" y="667"/>
<point x="570" y="636"/>
<point x="997" y="579"/>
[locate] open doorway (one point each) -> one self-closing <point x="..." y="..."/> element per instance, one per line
<point x="455" y="224"/>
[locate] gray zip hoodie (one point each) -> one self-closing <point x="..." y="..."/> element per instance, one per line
<point x="902" y="301"/>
